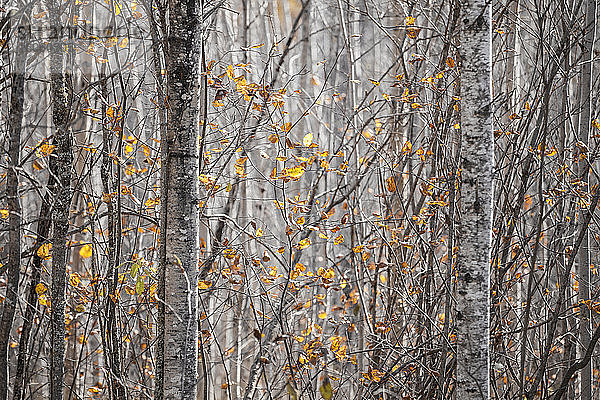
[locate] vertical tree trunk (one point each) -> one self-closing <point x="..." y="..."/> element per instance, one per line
<point x="476" y="198"/>
<point x="43" y="229"/>
<point x="583" y="255"/>
<point x="180" y="202"/>
<point x="12" y="194"/>
<point x="61" y="192"/>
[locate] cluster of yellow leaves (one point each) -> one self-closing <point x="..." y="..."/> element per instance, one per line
<point x="326" y="274"/>
<point x="304" y="243"/>
<point x="294" y="172"/>
<point x="374" y="376"/>
<point x="240" y="167"/>
<point x="338" y="348"/>
<point x="297" y="270"/>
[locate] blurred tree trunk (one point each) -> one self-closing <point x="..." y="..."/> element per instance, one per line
<point x="583" y="165"/>
<point x="19" y="63"/>
<point x="476" y="198"/>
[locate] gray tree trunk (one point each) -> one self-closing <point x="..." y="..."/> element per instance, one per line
<point x="12" y="194"/>
<point x="60" y="165"/>
<point x="476" y="198"/>
<point x="583" y="255"/>
<point x="180" y="202"/>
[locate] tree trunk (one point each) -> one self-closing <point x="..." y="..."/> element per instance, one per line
<point x="476" y="198"/>
<point x="583" y="255"/>
<point x="180" y="202"/>
<point x="60" y="189"/>
<point x="12" y="194"/>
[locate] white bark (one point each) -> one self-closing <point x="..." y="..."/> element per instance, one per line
<point x="476" y="200"/>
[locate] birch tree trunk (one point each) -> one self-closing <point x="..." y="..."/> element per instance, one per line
<point x="180" y="202"/>
<point x="583" y="255"/>
<point x="476" y="198"/>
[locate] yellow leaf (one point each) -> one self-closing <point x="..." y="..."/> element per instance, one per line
<point x="386" y="96"/>
<point x="44" y="300"/>
<point x="376" y="83"/>
<point x="407" y="147"/>
<point x="259" y="232"/>
<point x="117" y="8"/>
<point x="304" y="243"/>
<point x="286" y="127"/>
<point x="296" y="172"/>
<point x="203" y="285"/>
<point x="218" y="103"/>
<point x="391" y="184"/>
<point x="44" y="251"/>
<point x="358" y="249"/>
<point x="328" y="273"/>
<point x="326" y="390"/>
<point x="4" y="213"/>
<point x="139" y="285"/>
<point x="322" y="315"/>
<point x="85" y="251"/>
<point x="123" y="43"/>
<point x="409" y="20"/>
<point x="74" y="279"/>
<point x="273" y="138"/>
<point x="230" y="71"/>
<point x="300" y="220"/>
<point x="308" y="139"/>
<point x="40" y="288"/>
<point x="339" y="239"/>
<point x="153" y="202"/>
<point x="416" y="105"/>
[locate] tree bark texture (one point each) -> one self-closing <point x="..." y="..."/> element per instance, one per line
<point x="60" y="166"/>
<point x="476" y="201"/>
<point x="181" y="172"/>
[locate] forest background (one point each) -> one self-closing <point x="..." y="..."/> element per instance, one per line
<point x="286" y="199"/>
